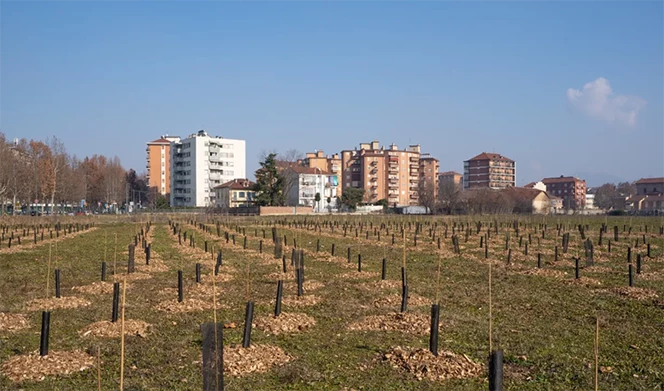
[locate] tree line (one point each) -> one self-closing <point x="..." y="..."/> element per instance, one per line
<point x="44" y="173"/>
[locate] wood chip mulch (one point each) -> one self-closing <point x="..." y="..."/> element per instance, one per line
<point x="33" y="367"/>
<point x="155" y="266"/>
<point x="97" y="288"/>
<point x="108" y="329"/>
<point x="187" y="305"/>
<point x="394" y="301"/>
<point x="221" y="277"/>
<point x="307" y="286"/>
<point x="651" y="276"/>
<point x="301" y="301"/>
<point x="635" y="293"/>
<point x="132" y="277"/>
<point x="286" y="322"/>
<point x="407" y="322"/>
<point x="424" y="365"/>
<point x="359" y="275"/>
<point x="276" y="276"/>
<point x="382" y="284"/>
<point x="598" y="269"/>
<point x="198" y="291"/>
<point x="239" y="361"/>
<point x="543" y="272"/>
<point x="13" y="322"/>
<point x="52" y="303"/>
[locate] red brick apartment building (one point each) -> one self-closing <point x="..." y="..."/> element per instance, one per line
<point x="572" y="190"/>
<point x="489" y="170"/>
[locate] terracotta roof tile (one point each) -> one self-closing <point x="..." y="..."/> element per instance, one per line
<point x="237" y="184"/>
<point x="561" y="179"/>
<point x="491" y="156"/>
<point x="644" y="181"/>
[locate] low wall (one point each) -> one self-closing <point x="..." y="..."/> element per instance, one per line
<point x="285" y="210"/>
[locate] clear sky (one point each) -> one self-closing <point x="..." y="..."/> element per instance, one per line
<point x="560" y="87"/>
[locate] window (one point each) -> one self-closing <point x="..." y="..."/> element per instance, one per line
<point x="241" y="194"/>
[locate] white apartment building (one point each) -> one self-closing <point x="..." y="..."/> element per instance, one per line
<point x="302" y="184"/>
<point x="201" y="162"/>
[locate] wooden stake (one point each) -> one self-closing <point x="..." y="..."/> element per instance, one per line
<point x="596" y="353"/>
<point x="98" y="369"/>
<point x="105" y="245"/>
<point x="48" y="270"/>
<point x="490" y="320"/>
<point x="122" y="336"/>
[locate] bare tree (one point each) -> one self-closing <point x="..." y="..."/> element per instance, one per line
<point x="5" y="170"/>
<point x="449" y="197"/>
<point x="290" y="156"/>
<point x="427" y="195"/>
<point x="57" y="165"/>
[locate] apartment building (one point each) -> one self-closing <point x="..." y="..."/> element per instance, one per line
<point x="390" y="173"/>
<point x="159" y="164"/>
<point x="572" y="190"/>
<point x="652" y="186"/>
<point x="489" y="170"/>
<point x="649" y="196"/>
<point x="235" y="193"/>
<point x="450" y="177"/>
<point x="330" y="164"/>
<point x="201" y="162"/>
<point x="429" y="166"/>
<point x="303" y="183"/>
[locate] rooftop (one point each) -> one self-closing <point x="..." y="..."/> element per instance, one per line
<point x="561" y="179"/>
<point x="448" y="173"/>
<point x="160" y="141"/>
<point x="491" y="156"/>
<point x="308" y="170"/>
<point x="237" y="184"/>
<point x="645" y="181"/>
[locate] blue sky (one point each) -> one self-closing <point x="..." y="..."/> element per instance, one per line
<point x="458" y="78"/>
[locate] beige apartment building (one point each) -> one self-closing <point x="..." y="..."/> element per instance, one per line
<point x="429" y="166"/>
<point x="159" y="164"/>
<point x="390" y="173"/>
<point x="450" y="177"/>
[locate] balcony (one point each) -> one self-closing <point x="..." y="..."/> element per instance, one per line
<point x="393" y="170"/>
<point x="414" y="159"/>
<point x="214" y="148"/>
<point x="215" y="158"/>
<point x="414" y="196"/>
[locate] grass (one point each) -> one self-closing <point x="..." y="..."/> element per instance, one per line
<point x="544" y="325"/>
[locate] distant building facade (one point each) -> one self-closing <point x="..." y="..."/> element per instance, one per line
<point x="305" y="183"/>
<point x="450" y="177"/>
<point x="649" y="196"/>
<point x="429" y="166"/>
<point x="489" y="170"/>
<point x="201" y="162"/>
<point x="159" y="164"/>
<point x="235" y="193"/>
<point x="390" y="174"/>
<point x="571" y="189"/>
<point x="330" y="164"/>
